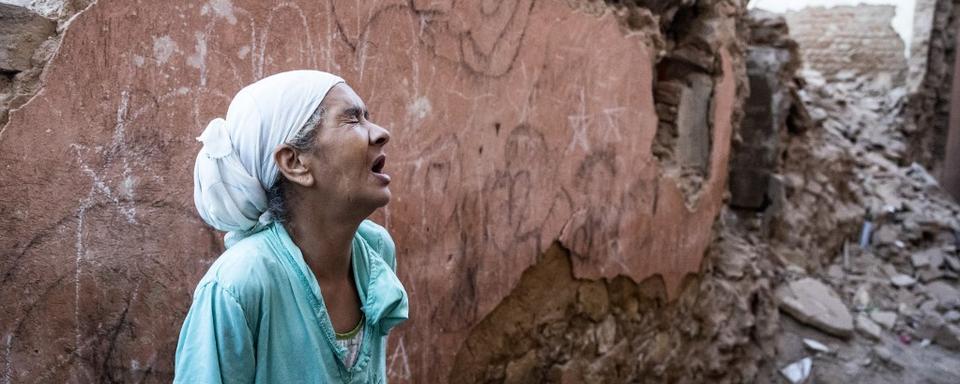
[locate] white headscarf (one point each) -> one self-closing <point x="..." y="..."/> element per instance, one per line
<point x="235" y="167"/>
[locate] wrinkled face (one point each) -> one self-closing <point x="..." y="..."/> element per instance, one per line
<point x="348" y="159"/>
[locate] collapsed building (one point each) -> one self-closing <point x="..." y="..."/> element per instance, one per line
<point x="565" y="211"/>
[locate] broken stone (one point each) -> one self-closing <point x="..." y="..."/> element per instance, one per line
<point x="932" y="258"/>
<point x="889" y="270"/>
<point x="952" y="316"/>
<point x="928" y="275"/>
<point x="868" y="328"/>
<point x="936" y="256"/>
<point x="816" y="345"/>
<point x="919" y="260"/>
<point x="902" y="281"/>
<point x="885" y="318"/>
<point x="606" y="335"/>
<point x="796" y="269"/>
<point x="815" y="304"/>
<point x="883" y="354"/>
<point x="835" y="272"/>
<point x="21" y="32"/>
<point x="942" y="292"/>
<point x="928" y="306"/>
<point x="861" y="299"/>
<point x="798" y="371"/>
<point x="952" y="262"/>
<point x="886" y="235"/>
<point x="935" y="328"/>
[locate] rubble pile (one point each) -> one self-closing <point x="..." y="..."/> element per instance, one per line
<point x="863" y="242"/>
<point x="869" y="241"/>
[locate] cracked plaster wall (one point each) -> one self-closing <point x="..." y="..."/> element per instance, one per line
<point x="513" y="131"/>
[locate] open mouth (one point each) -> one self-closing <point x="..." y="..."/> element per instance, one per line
<point x="378" y="164"/>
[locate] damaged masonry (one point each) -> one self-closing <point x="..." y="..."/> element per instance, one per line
<point x="693" y="191"/>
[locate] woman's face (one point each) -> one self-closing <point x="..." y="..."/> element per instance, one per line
<point x="349" y="159"/>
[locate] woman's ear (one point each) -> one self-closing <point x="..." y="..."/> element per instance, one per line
<point x="292" y="166"/>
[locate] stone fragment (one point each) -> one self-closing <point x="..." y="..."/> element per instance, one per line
<point x="952" y="262"/>
<point x="919" y="259"/>
<point x="21" y="32"/>
<point x="868" y="328"/>
<point x="932" y="258"/>
<point x="952" y="316"/>
<point x="903" y="281"/>
<point x="889" y="270"/>
<point x="948" y="336"/>
<point x="883" y="354"/>
<point x="885" y="318"/>
<point x="835" y="272"/>
<point x="928" y="306"/>
<point x="861" y="299"/>
<point x="928" y="275"/>
<point x="935" y="328"/>
<point x="942" y="291"/>
<point x="798" y="371"/>
<point x="885" y="235"/>
<point x="816" y="345"/>
<point x="937" y="256"/>
<point x="606" y="335"/>
<point x="813" y="303"/>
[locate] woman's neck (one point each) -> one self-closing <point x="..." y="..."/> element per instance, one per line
<point x="325" y="239"/>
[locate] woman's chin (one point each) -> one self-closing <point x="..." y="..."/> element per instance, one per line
<point x="379" y="197"/>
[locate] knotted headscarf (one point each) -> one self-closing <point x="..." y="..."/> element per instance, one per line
<point x="235" y="167"/>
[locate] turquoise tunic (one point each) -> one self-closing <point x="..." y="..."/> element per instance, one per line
<point x="258" y="315"/>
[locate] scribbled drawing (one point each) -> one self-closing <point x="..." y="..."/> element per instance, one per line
<point x="435" y="177"/>
<point x="460" y="310"/>
<point x="579" y="123"/>
<point x="113" y="170"/>
<point x="593" y="229"/>
<point x="279" y="54"/>
<point x="531" y="165"/>
<point x="399" y="365"/>
<point x="492" y="47"/>
<point x="611" y="123"/>
<point x="497" y="210"/>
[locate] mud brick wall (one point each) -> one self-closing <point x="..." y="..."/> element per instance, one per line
<point x="931" y="78"/>
<point x="854" y="38"/>
<point x="518" y="127"/>
<point x="772" y="61"/>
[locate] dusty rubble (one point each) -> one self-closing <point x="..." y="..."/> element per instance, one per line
<point x="873" y="230"/>
<point x="863" y="241"/>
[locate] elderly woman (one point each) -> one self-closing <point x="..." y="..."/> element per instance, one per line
<point x="306" y="291"/>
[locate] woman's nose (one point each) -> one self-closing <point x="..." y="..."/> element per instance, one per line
<point x="379" y="136"/>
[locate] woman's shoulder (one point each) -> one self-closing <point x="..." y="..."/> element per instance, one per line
<point x="379" y="239"/>
<point x="245" y="269"/>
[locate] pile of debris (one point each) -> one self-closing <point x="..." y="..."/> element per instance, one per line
<point x="870" y="244"/>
